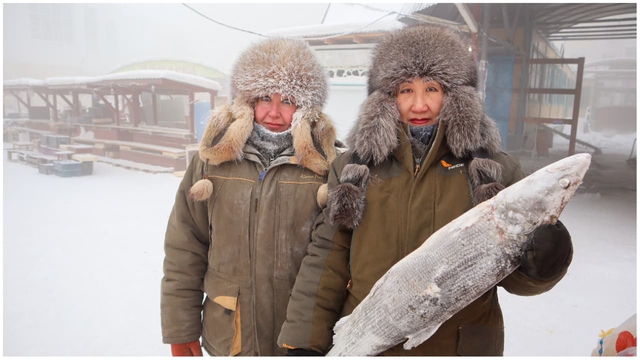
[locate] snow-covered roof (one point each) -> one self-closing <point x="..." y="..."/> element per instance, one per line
<point x="66" y="81"/>
<point x="321" y="30"/>
<point x="127" y="75"/>
<point x="163" y="59"/>
<point x="23" y="82"/>
<point x="161" y="74"/>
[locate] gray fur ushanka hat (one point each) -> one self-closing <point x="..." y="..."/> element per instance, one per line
<point x="430" y="52"/>
<point x="284" y="66"/>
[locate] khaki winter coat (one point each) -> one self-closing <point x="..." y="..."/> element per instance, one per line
<point x="402" y="211"/>
<point x="239" y="230"/>
<point x="242" y="247"/>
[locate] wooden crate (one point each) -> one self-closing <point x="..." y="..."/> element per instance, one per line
<point x="67" y="168"/>
<point x="46" y="169"/>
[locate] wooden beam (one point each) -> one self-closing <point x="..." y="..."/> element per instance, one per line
<point x="333" y="41"/>
<point x="101" y="97"/>
<point x="549" y="91"/>
<point x="67" y="101"/>
<point x="584" y="22"/>
<point x="540" y="120"/>
<point x="581" y="37"/>
<point x="46" y="100"/>
<point x="20" y="99"/>
<point x="576" y="107"/>
<point x="514" y="26"/>
<point x="553" y="61"/>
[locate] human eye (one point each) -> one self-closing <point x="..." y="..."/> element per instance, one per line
<point x="406" y="90"/>
<point x="432" y="89"/>
<point x="287" y="102"/>
<point x="265" y="98"/>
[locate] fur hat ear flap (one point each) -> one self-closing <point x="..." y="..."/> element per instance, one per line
<point x="324" y="133"/>
<point x="461" y="114"/>
<point x="374" y="135"/>
<point x="305" y="151"/>
<point x="201" y="190"/>
<point x="346" y="202"/>
<point x="229" y="146"/>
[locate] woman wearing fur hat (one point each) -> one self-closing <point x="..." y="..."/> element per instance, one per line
<point x="422" y="153"/>
<point x="243" y="214"/>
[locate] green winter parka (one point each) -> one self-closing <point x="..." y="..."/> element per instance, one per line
<point x="403" y="208"/>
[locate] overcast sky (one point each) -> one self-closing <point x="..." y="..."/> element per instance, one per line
<point x="136" y="32"/>
<point x="257" y="18"/>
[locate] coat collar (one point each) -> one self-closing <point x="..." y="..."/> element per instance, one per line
<point x="229" y="128"/>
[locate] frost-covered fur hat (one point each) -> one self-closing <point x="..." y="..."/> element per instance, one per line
<point x="284" y="66"/>
<point x="431" y="52"/>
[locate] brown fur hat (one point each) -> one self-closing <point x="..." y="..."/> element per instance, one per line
<point x="431" y="52"/>
<point x="284" y="66"/>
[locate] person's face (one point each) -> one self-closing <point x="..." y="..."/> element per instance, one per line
<point x="419" y="102"/>
<point x="274" y="112"/>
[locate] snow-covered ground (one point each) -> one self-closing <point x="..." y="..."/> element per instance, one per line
<point x="83" y="264"/>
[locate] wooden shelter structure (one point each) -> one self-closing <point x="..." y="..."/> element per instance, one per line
<point x="119" y="93"/>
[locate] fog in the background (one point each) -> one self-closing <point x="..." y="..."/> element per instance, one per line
<point x="95" y="39"/>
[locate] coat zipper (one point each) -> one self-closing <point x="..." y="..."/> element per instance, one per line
<point x="252" y="255"/>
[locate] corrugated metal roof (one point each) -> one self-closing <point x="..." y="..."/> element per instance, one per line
<point x="555" y="21"/>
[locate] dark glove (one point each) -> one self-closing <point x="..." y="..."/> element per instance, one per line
<point x="302" y="352"/>
<point x="186" y="349"/>
<point x="547" y="252"/>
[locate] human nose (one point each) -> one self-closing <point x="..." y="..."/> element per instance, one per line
<point x="420" y="103"/>
<point x="274" y="110"/>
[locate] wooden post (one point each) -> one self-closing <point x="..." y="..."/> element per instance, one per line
<point x="28" y="104"/>
<point x="576" y="107"/>
<point x="134" y="109"/>
<point x="117" y="108"/>
<point x="75" y="99"/>
<point x="192" y="116"/>
<point x="212" y="100"/>
<point x="55" y="107"/>
<point x="154" y="105"/>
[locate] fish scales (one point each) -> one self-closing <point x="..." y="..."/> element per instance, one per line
<point x="457" y="264"/>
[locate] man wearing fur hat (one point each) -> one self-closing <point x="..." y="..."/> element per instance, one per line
<point x="422" y="153"/>
<point x="243" y="214"/>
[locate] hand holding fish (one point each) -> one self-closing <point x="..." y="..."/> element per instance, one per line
<point x="546" y="252"/>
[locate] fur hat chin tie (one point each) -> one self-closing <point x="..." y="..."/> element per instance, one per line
<point x="346" y="202"/>
<point x="201" y="190"/>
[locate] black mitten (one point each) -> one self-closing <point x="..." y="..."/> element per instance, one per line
<point x="302" y="352"/>
<point x="547" y="251"/>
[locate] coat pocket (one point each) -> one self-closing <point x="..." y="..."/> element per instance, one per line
<point x="478" y="340"/>
<point x="221" y="316"/>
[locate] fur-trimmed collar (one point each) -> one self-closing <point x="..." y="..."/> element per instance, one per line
<point x="230" y="126"/>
